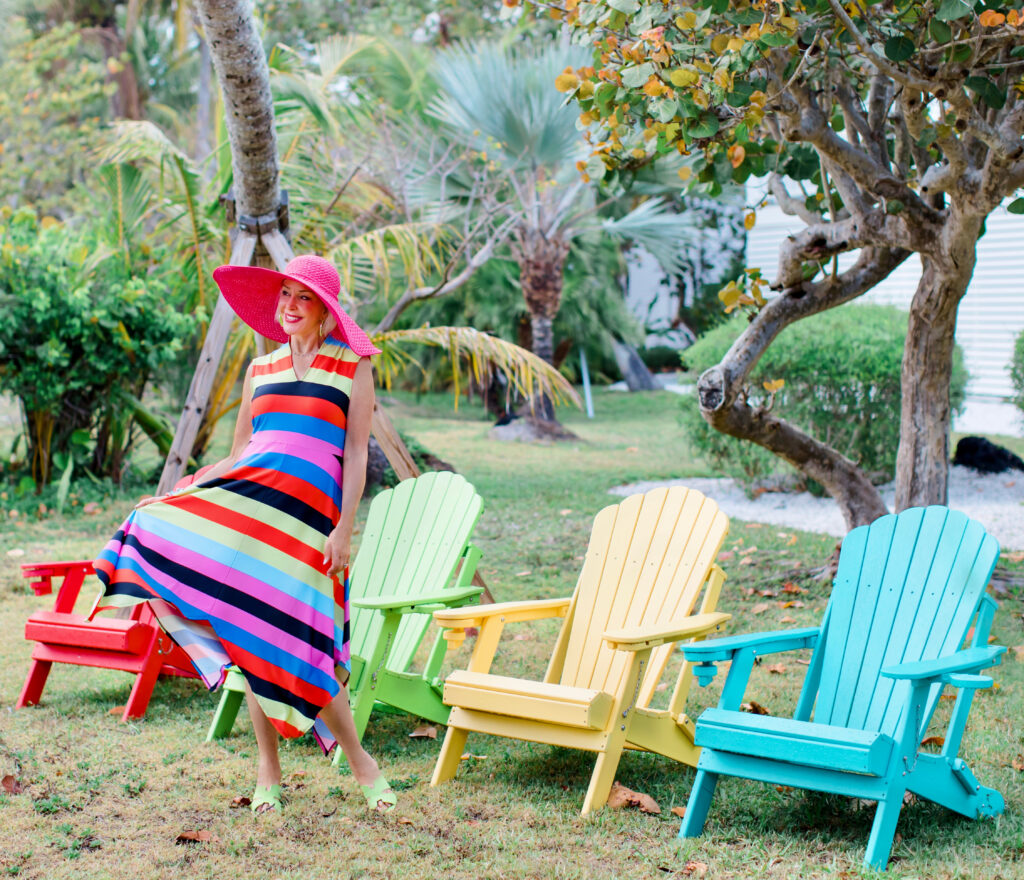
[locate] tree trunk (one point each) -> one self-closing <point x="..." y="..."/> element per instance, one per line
<point x="244" y="78"/>
<point x="922" y="462"/>
<point x="541" y="267"/>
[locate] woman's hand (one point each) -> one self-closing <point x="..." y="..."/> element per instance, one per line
<point x="151" y="499"/>
<point x="337" y="551"/>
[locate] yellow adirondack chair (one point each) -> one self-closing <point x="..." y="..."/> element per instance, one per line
<point x="649" y="560"/>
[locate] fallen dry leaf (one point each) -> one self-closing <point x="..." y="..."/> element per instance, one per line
<point x="240" y="801"/>
<point x="11" y="785"/>
<point x="1014" y="557"/>
<point x="679" y="811"/>
<point x="726" y="555"/>
<point x="754" y="526"/>
<point x="939" y="741"/>
<point x="790" y="587"/>
<point x="1018" y="763"/>
<point x="748" y="551"/>
<point x="787" y="619"/>
<point x="791" y="541"/>
<point x="91" y="507"/>
<point x="632" y="450"/>
<point x="662" y="686"/>
<point x="565" y="511"/>
<point x="694" y="869"/>
<point x="468" y="756"/>
<point x="777" y="668"/>
<point x="754" y="708"/>
<point x="767" y="594"/>
<point x="522" y="637"/>
<point x="760" y="608"/>
<point x="116" y="710"/>
<point x="747" y="560"/>
<point x="15" y="553"/>
<point x="623" y="797"/>
<point x="1018" y="652"/>
<point x="522" y="574"/>
<point x="424" y="731"/>
<point x="404" y="820"/>
<point x="195" y="837"/>
<point x="803" y="662"/>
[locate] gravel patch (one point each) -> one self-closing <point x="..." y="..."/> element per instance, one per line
<point x="995" y="500"/>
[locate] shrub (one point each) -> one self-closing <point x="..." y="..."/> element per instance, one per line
<point x="1017" y="372"/>
<point x="81" y="335"/>
<point x="842" y="385"/>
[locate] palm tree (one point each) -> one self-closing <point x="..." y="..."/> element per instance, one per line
<point x="501" y="102"/>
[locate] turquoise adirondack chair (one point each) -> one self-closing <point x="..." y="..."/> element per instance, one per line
<point x="415" y="537"/>
<point x="895" y="632"/>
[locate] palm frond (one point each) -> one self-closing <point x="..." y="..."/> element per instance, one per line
<point x="662" y="231"/>
<point x="481" y="355"/>
<point x="414" y="250"/>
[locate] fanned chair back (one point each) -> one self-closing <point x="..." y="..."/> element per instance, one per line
<point x="413" y="539"/>
<point x="647" y="560"/>
<point x="906" y="589"/>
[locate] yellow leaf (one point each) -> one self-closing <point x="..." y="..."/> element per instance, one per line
<point x="48" y="222"/>
<point x="1014" y="18"/>
<point x="789" y="23"/>
<point x="703" y="66"/>
<point x="735" y="44"/>
<point x="700" y="98"/>
<point x="687" y="21"/>
<point x="736" y="154"/>
<point x="752" y="32"/>
<point x="654" y="87"/>
<point x="749" y="219"/>
<point x="719" y="43"/>
<point x="722" y="79"/>
<point x="991" y="18"/>
<point x="586" y="89"/>
<point x="774" y="385"/>
<point x="566" y="81"/>
<point x="685" y="173"/>
<point x="682" y="77"/>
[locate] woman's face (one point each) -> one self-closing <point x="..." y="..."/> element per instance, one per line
<point x="299" y="310"/>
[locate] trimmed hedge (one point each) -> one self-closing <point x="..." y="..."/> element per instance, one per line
<point x="842" y="385"/>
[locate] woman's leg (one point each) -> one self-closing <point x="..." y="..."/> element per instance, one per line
<point x="337" y="715"/>
<point x="268" y="772"/>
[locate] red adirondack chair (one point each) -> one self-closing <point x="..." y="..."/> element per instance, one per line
<point x="133" y="644"/>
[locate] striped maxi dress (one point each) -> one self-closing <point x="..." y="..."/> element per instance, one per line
<point x="233" y="566"/>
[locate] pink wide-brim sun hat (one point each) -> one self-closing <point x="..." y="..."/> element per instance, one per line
<point x="253" y="293"/>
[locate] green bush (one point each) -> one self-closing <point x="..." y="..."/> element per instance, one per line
<point x="82" y="333"/>
<point x="842" y="385"/>
<point x="1017" y="372"/>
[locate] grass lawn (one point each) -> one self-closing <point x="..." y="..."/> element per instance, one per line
<point x="103" y="799"/>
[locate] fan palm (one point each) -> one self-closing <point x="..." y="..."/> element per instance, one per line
<point x="501" y="102"/>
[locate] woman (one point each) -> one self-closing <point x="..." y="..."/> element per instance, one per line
<point x="243" y="566"/>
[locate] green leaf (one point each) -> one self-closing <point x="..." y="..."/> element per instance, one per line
<point x="951" y="10"/>
<point x="941" y="32"/>
<point x="779" y="38"/>
<point x="894" y="206"/>
<point x="1018" y="52"/>
<point x="627" y="6"/>
<point x="719" y="6"/>
<point x="745" y="17"/>
<point x="635" y="77"/>
<point x="705" y="126"/>
<point x="899" y="48"/>
<point x="664" y="109"/>
<point x="1016" y="206"/>
<point x="987" y="90"/>
<point x="740" y="94"/>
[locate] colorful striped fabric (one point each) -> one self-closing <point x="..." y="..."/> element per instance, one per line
<point x="233" y="565"/>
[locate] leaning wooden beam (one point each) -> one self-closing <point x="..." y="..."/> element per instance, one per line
<point x="206" y="370"/>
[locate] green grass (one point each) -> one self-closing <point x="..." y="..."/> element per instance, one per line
<point x="108" y="800"/>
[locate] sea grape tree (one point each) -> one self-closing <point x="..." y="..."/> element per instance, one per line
<point x="888" y="128"/>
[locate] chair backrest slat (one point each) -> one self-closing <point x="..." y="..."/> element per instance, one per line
<point x="906" y="589"/>
<point x="411" y="545"/>
<point x="647" y="561"/>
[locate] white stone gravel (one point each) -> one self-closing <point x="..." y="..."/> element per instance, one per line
<point x="995" y="500"/>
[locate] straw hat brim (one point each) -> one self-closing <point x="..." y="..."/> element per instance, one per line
<point x="252" y="292"/>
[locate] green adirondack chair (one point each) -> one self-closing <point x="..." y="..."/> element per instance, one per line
<point x="895" y="633"/>
<point x="415" y="537"/>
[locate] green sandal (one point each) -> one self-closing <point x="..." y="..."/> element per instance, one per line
<point x="266" y="799"/>
<point x="379" y="795"/>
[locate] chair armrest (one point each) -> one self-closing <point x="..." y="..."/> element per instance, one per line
<point x="762" y="643"/>
<point x="969" y="660"/>
<point x="445" y="599"/>
<point x="639" y="638"/>
<point x="509" y="612"/>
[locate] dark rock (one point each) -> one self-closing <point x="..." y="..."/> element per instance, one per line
<point x="376" y="464"/>
<point x="985" y="456"/>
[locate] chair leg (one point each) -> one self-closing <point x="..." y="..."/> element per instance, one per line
<point x="601" y="780"/>
<point x="699" y="804"/>
<point x="35" y="681"/>
<point x="142" y="690"/>
<point x="882" y="831"/>
<point x="451" y="754"/>
<point x="227" y="712"/>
